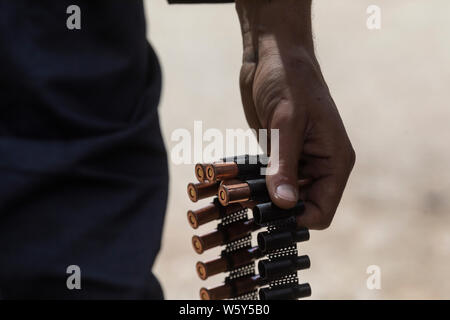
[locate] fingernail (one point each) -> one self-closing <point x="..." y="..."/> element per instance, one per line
<point x="286" y="192"/>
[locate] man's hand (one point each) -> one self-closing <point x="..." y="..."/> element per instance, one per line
<point x="282" y="87"/>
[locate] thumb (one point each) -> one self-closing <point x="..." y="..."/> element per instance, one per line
<point x="282" y="178"/>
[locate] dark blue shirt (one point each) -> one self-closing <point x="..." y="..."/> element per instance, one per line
<point x="83" y="173"/>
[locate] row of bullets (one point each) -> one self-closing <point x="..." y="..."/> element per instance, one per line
<point x="237" y="185"/>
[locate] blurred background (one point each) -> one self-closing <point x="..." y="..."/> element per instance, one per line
<point x="391" y="86"/>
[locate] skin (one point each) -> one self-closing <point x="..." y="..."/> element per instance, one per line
<point x="282" y="87"/>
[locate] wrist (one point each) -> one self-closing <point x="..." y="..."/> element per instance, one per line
<point x="287" y="22"/>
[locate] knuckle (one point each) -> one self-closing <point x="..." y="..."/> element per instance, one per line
<point x="352" y="156"/>
<point x="323" y="226"/>
<point x="324" y="223"/>
<point x="325" y="219"/>
<point x="347" y="155"/>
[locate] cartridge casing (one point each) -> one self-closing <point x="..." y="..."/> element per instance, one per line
<point x="229" y="170"/>
<point x="238" y="191"/>
<point x="227" y="262"/>
<point x="211" y="212"/>
<point x="233" y="289"/>
<point x="198" y="191"/>
<point x="223" y="235"/>
<point x="200" y="173"/>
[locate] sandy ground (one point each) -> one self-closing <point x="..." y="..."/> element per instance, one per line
<point x="391" y="86"/>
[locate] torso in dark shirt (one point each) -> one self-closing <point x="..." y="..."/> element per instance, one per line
<point x="83" y="174"/>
